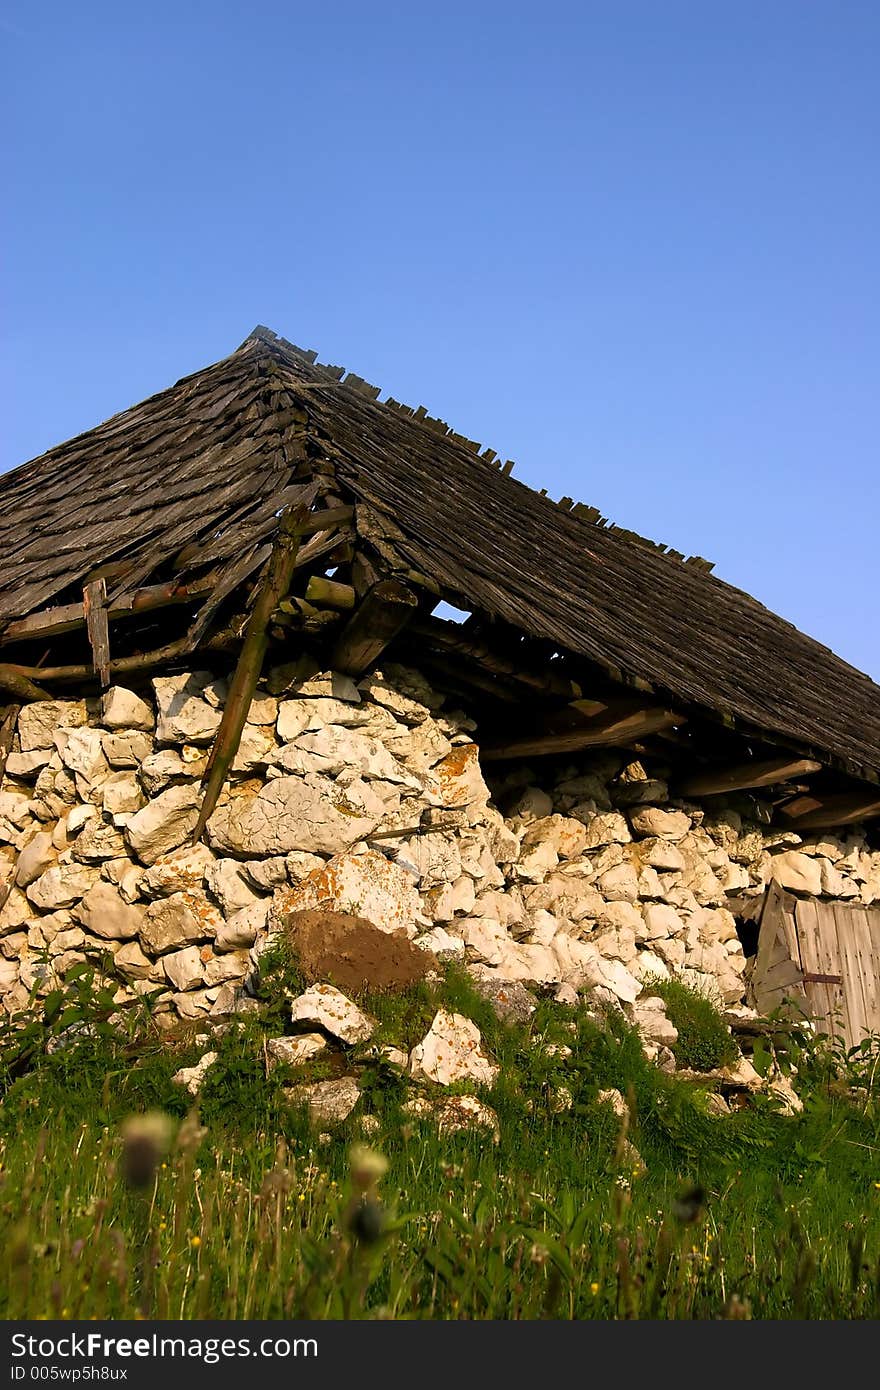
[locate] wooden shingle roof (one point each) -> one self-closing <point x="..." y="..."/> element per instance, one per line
<point x="197" y="475"/>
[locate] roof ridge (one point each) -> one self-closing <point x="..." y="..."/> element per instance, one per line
<point x="585" y="513"/>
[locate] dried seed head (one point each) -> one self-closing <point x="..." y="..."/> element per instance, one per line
<point x="367" y="1166"/>
<point x="145" y="1141"/>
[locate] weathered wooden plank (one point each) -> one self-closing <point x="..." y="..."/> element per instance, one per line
<point x="845" y="808"/>
<point x="855" y="1008"/>
<point x="383" y="612"/>
<point x="614" y="728"/>
<point x="97" y="627"/>
<point x="867" y="966"/>
<point x="750" y="774"/>
<point x="818" y="999"/>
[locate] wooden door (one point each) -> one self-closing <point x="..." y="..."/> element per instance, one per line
<point x="840" y="958"/>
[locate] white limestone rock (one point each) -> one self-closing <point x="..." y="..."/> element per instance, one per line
<point x="799" y="872"/>
<point x="122" y="709"/>
<point x="131" y="962"/>
<point x="661" y="920"/>
<point x="182" y="870"/>
<point x="104" y="913"/>
<point x="609" y="828"/>
<point x="99" y="840"/>
<point x="121" y="794"/>
<point x="324" y="1006"/>
<point x="27" y="765"/>
<point x="295" y="813"/>
<point x="164" y="823"/>
<point x="292" y="1052"/>
<point x="450" y="900"/>
<point x="365" y="885"/>
<point x="37" y="856"/>
<point x="329" y="1102"/>
<point x="263" y="710"/>
<point x="649" y="1016"/>
<point x="184" y="969"/>
<point x="184" y="716"/>
<point x="440" y="942"/>
<point x="295" y="717"/>
<point x="126" y="749"/>
<point x="38" y="722"/>
<point x="653" y="821"/>
<point x="243" y="927"/>
<point x="192" y="1078"/>
<point x="158" y="770"/>
<point x="620" y="884"/>
<point x="227" y="883"/>
<point x="451" y="1051"/>
<point x="81" y="751"/>
<point x="62" y="885"/>
<point x="178" y="920"/>
<point x="457" y="779"/>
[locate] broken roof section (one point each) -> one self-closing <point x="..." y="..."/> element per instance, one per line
<point x="177" y="501"/>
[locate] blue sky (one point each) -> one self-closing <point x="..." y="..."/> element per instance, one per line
<point x="631" y="244"/>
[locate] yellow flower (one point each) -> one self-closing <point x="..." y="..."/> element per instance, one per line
<point x="877" y="1184"/>
<point x="196" y="1242"/>
<point x="594" y="1289"/>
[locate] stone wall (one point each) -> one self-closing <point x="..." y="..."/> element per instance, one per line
<point x="370" y="799"/>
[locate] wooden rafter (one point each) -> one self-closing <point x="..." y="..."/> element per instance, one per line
<point x="827" y="812"/>
<point x="618" y="726"/>
<point x="749" y="774"/>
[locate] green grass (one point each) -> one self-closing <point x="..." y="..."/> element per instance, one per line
<point x="250" y="1214"/>
<point x="704" y="1042"/>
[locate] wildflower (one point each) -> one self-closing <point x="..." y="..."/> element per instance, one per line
<point x="196" y="1242"/>
<point x="594" y="1289"/>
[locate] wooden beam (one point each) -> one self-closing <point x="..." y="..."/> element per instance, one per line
<point x="275" y="584"/>
<point x="382" y="614"/>
<point x="55" y="622"/>
<point x="824" y="813"/>
<point x="16" y="681"/>
<point x="451" y="637"/>
<point x="328" y="593"/>
<point x="617" y="727"/>
<point x="750" y="774"/>
<point x="97" y="626"/>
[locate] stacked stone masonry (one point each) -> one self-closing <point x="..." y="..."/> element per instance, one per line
<point x="370" y="799"/>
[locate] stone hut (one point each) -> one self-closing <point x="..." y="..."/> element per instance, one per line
<point x="228" y="691"/>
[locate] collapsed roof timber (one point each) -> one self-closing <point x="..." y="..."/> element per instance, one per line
<point x="272" y="496"/>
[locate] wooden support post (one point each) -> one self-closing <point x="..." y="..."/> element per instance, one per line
<point x="743" y="775"/>
<point x="617" y="727"/>
<point x="383" y="613"/>
<point x="7" y="733"/>
<point x="827" y="812"/>
<point x="98" y="628"/>
<point x="275" y="585"/>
